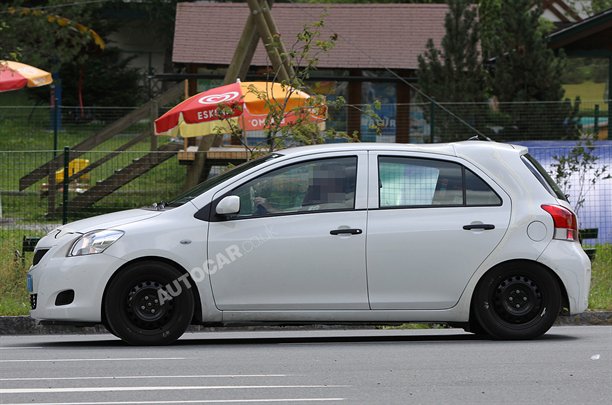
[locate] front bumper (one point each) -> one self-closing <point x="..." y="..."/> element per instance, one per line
<point x="572" y="265"/>
<point x="81" y="279"/>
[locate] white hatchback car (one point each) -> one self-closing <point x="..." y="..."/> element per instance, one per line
<point x="472" y="233"/>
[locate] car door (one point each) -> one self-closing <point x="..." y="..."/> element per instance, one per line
<point x="298" y="242"/>
<point x="432" y="222"/>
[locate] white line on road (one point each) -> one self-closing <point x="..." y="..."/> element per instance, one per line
<point x="21" y="347"/>
<point x="143" y="377"/>
<point x="172" y="388"/>
<point x="107" y="359"/>
<point x="194" y="401"/>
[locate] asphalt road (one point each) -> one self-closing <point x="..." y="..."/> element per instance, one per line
<point x="569" y="365"/>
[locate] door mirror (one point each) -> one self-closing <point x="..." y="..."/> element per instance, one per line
<point x="228" y="205"/>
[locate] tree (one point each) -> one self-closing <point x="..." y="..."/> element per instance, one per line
<point x="455" y="73"/>
<point x="48" y="39"/>
<point x="525" y="70"/>
<point x="66" y="38"/>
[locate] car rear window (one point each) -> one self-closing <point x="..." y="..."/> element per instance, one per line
<point x="543" y="177"/>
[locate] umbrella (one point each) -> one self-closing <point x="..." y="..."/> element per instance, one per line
<point x="246" y="104"/>
<point x="15" y="75"/>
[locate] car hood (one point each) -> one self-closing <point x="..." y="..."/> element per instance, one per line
<point x="106" y="221"/>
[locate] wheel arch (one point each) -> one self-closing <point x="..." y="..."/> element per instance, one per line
<point x="524" y="262"/>
<point x="197" y="311"/>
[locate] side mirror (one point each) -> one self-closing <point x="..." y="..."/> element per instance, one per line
<point x="228" y="205"/>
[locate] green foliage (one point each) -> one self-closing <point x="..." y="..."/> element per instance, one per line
<point x="525" y="69"/>
<point x="7" y="53"/>
<point x="105" y="80"/>
<point x="580" y="70"/>
<point x="42" y="39"/>
<point x="57" y="36"/>
<point x="581" y="163"/>
<point x="455" y="72"/>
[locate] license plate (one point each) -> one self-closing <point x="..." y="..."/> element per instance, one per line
<point x="30" y="283"/>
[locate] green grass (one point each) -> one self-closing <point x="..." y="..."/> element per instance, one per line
<point x="23" y="147"/>
<point x="601" y="279"/>
<point x="14" y="298"/>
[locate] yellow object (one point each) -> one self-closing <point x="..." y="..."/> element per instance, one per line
<point x="75" y="166"/>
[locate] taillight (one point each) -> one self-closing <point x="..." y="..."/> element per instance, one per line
<point x="566" y="225"/>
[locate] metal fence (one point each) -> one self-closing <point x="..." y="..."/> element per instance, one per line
<point x="132" y="168"/>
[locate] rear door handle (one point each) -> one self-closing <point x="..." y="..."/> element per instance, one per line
<point x="485" y="227"/>
<point x="351" y="231"/>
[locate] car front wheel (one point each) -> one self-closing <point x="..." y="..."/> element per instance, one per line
<point x="517" y="301"/>
<point x="149" y="303"/>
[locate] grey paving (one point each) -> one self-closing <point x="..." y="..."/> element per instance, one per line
<point x="569" y="365"/>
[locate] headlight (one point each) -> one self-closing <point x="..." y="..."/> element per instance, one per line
<point x="94" y="242"/>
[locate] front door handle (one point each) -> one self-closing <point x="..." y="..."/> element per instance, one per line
<point x="350" y="231"/>
<point x="485" y="227"/>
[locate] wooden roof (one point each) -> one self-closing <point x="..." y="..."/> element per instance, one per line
<point x="589" y="37"/>
<point x="369" y="35"/>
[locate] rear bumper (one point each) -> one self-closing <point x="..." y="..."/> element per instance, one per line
<point x="572" y="265"/>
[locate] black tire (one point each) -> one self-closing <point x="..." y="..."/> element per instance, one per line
<point x="474" y="327"/>
<point x="134" y="311"/>
<point x="517" y="301"/>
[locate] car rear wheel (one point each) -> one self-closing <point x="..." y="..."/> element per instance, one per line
<point x="149" y="303"/>
<point x="517" y="301"/>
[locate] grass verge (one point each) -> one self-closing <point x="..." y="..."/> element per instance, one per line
<point x="601" y="279"/>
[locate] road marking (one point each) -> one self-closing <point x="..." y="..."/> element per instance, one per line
<point x="143" y="377"/>
<point x="145" y="388"/>
<point x="107" y="359"/>
<point x="21" y="347"/>
<point x="193" y="401"/>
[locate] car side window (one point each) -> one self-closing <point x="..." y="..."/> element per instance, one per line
<point x="317" y="185"/>
<point x="477" y="192"/>
<point x="405" y="182"/>
<point x="416" y="182"/>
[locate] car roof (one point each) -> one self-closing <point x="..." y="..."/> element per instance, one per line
<point x="468" y="148"/>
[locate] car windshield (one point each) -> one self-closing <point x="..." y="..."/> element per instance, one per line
<point x="213" y="181"/>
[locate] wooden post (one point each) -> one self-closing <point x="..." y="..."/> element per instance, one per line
<point x="154" y="113"/>
<point x="269" y="39"/>
<point x="354" y="98"/>
<point x="265" y="8"/>
<point x="243" y="55"/>
<point x="402" y="131"/>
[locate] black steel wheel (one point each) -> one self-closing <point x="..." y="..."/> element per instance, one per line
<point x="139" y="313"/>
<point x="517" y="301"/>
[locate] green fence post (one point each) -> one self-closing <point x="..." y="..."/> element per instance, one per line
<point x="66" y="183"/>
<point x="432" y="120"/>
<point x="596" y="121"/>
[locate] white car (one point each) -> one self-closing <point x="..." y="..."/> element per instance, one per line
<point x="472" y="233"/>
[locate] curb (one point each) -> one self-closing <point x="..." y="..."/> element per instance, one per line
<point x="24" y="325"/>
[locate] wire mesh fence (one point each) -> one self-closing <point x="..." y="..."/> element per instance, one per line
<point x="105" y="171"/>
